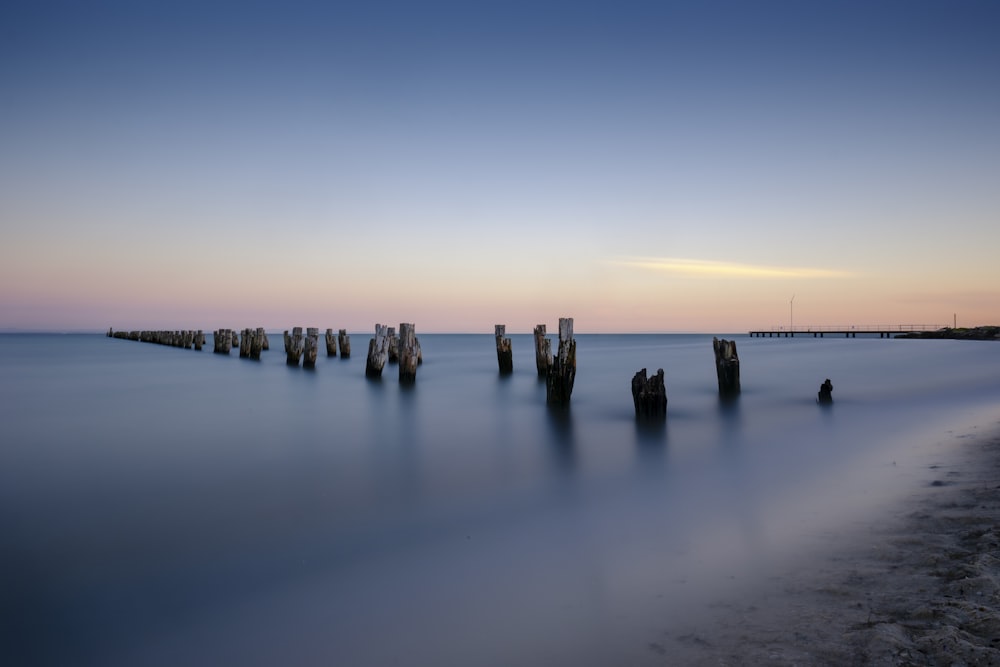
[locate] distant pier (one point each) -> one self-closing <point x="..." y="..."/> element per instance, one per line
<point x="883" y="330"/>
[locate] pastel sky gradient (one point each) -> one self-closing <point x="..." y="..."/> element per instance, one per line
<point x="640" y="166"/>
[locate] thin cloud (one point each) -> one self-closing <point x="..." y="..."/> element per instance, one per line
<point x="713" y="269"/>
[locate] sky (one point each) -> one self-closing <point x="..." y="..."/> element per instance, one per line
<point x="638" y="166"/>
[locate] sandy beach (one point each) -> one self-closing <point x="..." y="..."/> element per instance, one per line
<point x="919" y="585"/>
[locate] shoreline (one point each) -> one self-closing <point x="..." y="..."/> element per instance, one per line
<point x="917" y="585"/>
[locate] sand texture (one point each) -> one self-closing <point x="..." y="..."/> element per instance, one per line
<point x="920" y="586"/>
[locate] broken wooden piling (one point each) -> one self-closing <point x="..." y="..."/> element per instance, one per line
<point x="345" y="344"/>
<point x="331" y="343"/>
<point x="245" y="344"/>
<point x="185" y="338"/>
<point x="727" y="366"/>
<point x="649" y="396"/>
<point x="310" y="348"/>
<point x="505" y="355"/>
<point x="393" y="346"/>
<point x="223" y="340"/>
<point x="408" y="353"/>
<point x="543" y="351"/>
<point x="378" y="352"/>
<point x="294" y="346"/>
<point x="562" y="371"/>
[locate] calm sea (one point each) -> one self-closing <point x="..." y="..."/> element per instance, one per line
<point x="161" y="506"/>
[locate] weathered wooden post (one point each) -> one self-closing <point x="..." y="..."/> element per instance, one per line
<point x="505" y="355"/>
<point x="378" y="352"/>
<point x="407" y="353"/>
<point x="727" y="366"/>
<point x="265" y="343"/>
<point x="236" y="339"/>
<point x="649" y="396"/>
<point x="311" y="348"/>
<point x="825" y="394"/>
<point x="345" y="344"/>
<point x="256" y="342"/>
<point x="223" y="338"/>
<point x="294" y="346"/>
<point x="245" y="345"/>
<point x="199" y="340"/>
<point x="543" y="351"/>
<point x="562" y="371"/>
<point x="393" y="345"/>
<point x="331" y="343"/>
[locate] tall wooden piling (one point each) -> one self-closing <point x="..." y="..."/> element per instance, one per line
<point x="562" y="371"/>
<point x="505" y="355"/>
<point x="331" y="343"/>
<point x="393" y="345"/>
<point x="649" y="396"/>
<point x="199" y="340"/>
<point x="727" y="366"/>
<point x="294" y="346"/>
<point x="378" y="352"/>
<point x="345" y="344"/>
<point x="311" y="348"/>
<point x="407" y="354"/>
<point x="236" y="339"/>
<point x="543" y="351"/>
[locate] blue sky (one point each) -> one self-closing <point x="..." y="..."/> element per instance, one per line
<point x="639" y="166"/>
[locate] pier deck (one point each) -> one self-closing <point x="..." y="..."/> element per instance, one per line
<point x="883" y="330"/>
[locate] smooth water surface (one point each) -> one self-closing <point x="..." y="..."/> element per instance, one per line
<point x="161" y="506"/>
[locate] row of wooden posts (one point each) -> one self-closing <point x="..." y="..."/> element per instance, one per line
<point x="648" y="393"/>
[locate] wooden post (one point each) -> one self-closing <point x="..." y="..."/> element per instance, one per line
<point x="256" y="342"/>
<point x="649" y="396"/>
<point x="505" y="355"/>
<point x="543" y="351"/>
<point x="562" y="371"/>
<point x="407" y="354"/>
<point x="223" y="338"/>
<point x="311" y="348"/>
<point x="345" y="344"/>
<point x="236" y="339"/>
<point x="265" y="343"/>
<point x="294" y="346"/>
<point x="393" y="346"/>
<point x="727" y="366"/>
<point x="331" y="343"/>
<point x="199" y="340"/>
<point x="245" y="345"/>
<point x="378" y="352"/>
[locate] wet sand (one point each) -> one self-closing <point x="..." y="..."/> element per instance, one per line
<point x="919" y="585"/>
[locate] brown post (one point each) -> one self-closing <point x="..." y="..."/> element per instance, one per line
<point x="378" y="352"/>
<point x="649" y="396"/>
<point x="543" y="351"/>
<point x="256" y="342"/>
<point x="311" y="348"/>
<point x="294" y="346"/>
<point x="505" y="355"/>
<point x="331" y="343"/>
<point x="407" y="354"/>
<point x="393" y="345"/>
<point x="562" y="372"/>
<point x="727" y="367"/>
<point x="345" y="344"/>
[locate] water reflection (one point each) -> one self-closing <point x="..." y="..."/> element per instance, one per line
<point x="562" y="442"/>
